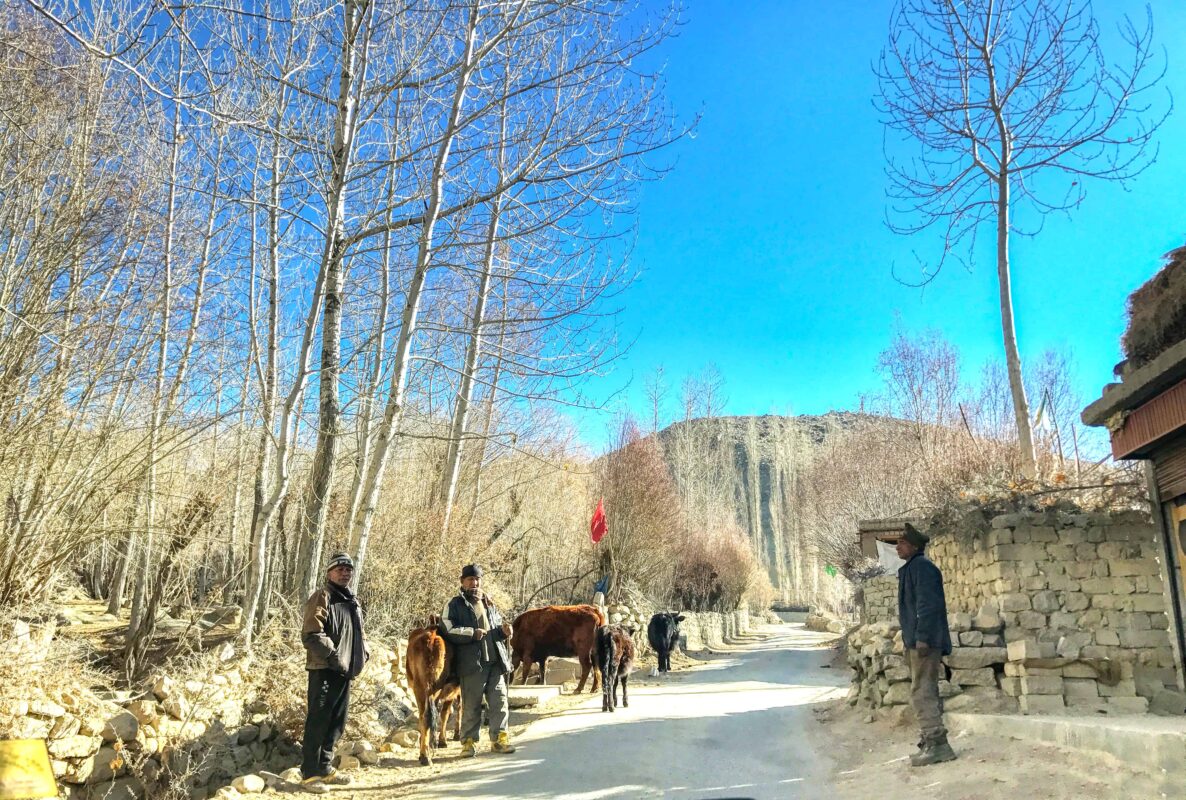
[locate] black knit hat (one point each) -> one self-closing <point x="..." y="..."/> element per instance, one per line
<point x="471" y="571"/>
<point x="915" y="536"/>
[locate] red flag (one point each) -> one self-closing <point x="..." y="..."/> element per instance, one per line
<point x="598" y="528"/>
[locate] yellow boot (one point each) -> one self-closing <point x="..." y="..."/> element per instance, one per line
<point x="503" y="744"/>
<point x="469" y="748"/>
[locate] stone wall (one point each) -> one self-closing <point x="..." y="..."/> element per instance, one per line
<point x="708" y="629"/>
<point x="1048" y="611"/>
<point x="880" y="599"/>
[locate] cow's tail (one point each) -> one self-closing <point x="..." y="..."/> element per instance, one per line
<point x="434" y="719"/>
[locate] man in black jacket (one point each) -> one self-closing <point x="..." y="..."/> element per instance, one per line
<point x="922" y="613"/>
<point x="482" y="661"/>
<point x="334" y="655"/>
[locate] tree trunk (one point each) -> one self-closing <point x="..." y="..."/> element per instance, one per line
<point x="393" y="411"/>
<point x="333" y="256"/>
<point x="1021" y="411"/>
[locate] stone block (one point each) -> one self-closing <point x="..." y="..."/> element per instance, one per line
<point x="1011" y="685"/>
<point x="1148" y="686"/>
<point x="1168" y="703"/>
<point x="1071" y="645"/>
<point x="959" y="622"/>
<point x="995" y="538"/>
<point x="1072" y="536"/>
<point x="1144" y="638"/>
<point x="1031" y="620"/>
<point x="1078" y="669"/>
<point x="1107" y="638"/>
<point x="1061" y="582"/>
<point x="1087" y="705"/>
<point x="1001" y="521"/>
<point x="1128" y="705"/>
<point x="971" y="638"/>
<point x="1019" y="669"/>
<point x="1046" y="602"/>
<point x="1015" y="602"/>
<point x="1043" y="535"/>
<point x="1096" y="585"/>
<point x="1149" y="602"/>
<point x="982" y="700"/>
<point x="1046" y="684"/>
<point x="1026" y="649"/>
<point x="1086" y="552"/>
<point x="1124" y="688"/>
<point x="948" y="689"/>
<point x="1075" y="601"/>
<point x="1064" y="621"/>
<point x="1035" y="583"/>
<point x="974" y="677"/>
<point x="1130" y="567"/>
<point x="1080" y="687"/>
<point x="898" y="694"/>
<point x="975" y="657"/>
<point x="993" y="640"/>
<point x="1079" y="569"/>
<point x="1042" y="704"/>
<point x="1116" y="551"/>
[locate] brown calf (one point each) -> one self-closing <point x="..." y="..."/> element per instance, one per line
<point x="557" y="631"/>
<point x="428" y="664"/>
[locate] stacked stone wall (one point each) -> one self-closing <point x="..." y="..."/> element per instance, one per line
<point x="1047" y="612"/>
<point x="880" y="602"/>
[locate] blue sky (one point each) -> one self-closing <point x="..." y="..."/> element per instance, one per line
<point x="765" y="250"/>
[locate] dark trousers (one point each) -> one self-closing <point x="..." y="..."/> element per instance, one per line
<point x="925" y="672"/>
<point x="329" y="698"/>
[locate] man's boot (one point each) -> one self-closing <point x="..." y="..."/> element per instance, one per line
<point x="502" y="744"/>
<point x="469" y="748"/>
<point x="935" y="751"/>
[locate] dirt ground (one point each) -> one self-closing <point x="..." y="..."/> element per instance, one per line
<point x="875" y="765"/>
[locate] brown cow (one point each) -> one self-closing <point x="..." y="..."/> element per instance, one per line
<point x="557" y="631"/>
<point x="428" y="663"/>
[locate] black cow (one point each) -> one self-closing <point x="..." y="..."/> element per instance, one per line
<point x="615" y="660"/>
<point x="663" y="635"/>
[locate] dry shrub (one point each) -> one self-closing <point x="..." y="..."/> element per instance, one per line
<point x="716" y="570"/>
<point x="1157" y="312"/>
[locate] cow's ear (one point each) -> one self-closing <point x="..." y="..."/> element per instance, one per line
<point x="680" y="618"/>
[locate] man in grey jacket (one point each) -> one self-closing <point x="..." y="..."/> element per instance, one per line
<point x="922" y="613"/>
<point x="474" y="626"/>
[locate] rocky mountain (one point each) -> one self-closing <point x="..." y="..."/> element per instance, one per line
<point x="757" y="466"/>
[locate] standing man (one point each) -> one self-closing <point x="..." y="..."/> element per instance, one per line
<point x="922" y="613"/>
<point x="482" y="661"/>
<point x="335" y="654"/>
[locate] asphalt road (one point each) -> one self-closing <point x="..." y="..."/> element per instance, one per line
<point x="737" y="727"/>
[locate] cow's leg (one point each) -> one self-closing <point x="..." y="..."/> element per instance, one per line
<point x="596" y="673"/>
<point x="457" y="718"/>
<point x="586" y="666"/>
<point x="543" y="670"/>
<point x="422" y="705"/>
<point x="446" y="712"/>
<point x="622" y="680"/>
<point x="527" y="662"/>
<point x="606" y="682"/>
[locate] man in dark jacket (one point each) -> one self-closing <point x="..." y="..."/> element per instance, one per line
<point x="334" y="655"/>
<point x="482" y="661"/>
<point x="922" y="613"/>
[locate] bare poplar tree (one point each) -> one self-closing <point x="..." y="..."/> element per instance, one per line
<point x="1001" y="99"/>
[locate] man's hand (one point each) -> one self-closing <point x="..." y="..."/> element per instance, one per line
<point x="479" y="633"/>
<point x="923" y="648"/>
<point x="506" y="629"/>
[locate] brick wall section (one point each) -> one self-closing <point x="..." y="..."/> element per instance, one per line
<point x="1048" y="612"/>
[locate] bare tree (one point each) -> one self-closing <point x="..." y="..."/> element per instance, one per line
<point x="1001" y="98"/>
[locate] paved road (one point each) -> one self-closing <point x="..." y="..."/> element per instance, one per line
<point x="731" y="728"/>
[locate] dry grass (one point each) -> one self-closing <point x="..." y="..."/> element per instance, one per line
<point x="1157" y="312"/>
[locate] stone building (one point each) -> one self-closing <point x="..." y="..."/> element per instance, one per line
<point x="1145" y="414"/>
<point x="1049" y="612"/>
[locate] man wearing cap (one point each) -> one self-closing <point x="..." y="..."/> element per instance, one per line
<point x="922" y="613"/>
<point x="334" y="655"/>
<point x="474" y="626"/>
